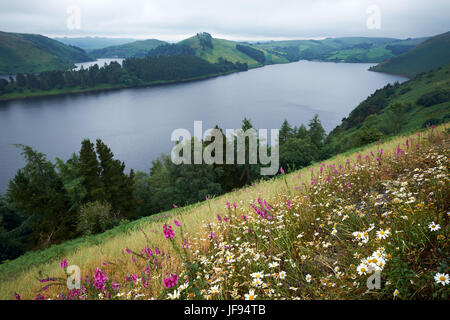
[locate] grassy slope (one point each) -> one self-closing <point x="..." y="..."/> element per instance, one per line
<point x="346" y="49"/>
<point x="88" y="253"/>
<point x="36" y="53"/>
<point x="409" y="92"/>
<point x="128" y="50"/>
<point x="227" y="50"/>
<point x="431" y="54"/>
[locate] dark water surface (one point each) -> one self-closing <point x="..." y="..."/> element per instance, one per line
<point x="137" y="123"/>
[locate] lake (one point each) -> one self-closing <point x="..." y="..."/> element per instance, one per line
<point x="99" y="62"/>
<point x="137" y="123"/>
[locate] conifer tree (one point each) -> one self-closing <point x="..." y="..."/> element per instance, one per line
<point x="316" y="132"/>
<point x="90" y="172"/>
<point x="286" y="132"/>
<point x="118" y="186"/>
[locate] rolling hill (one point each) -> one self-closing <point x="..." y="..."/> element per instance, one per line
<point x="347" y="49"/>
<point x="32" y="53"/>
<point x="211" y="49"/>
<point x="201" y="45"/>
<point x="94" y="43"/>
<point x="136" y="49"/>
<point x="429" y="55"/>
<point x="414" y="104"/>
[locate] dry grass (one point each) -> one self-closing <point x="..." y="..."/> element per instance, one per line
<point x="193" y="220"/>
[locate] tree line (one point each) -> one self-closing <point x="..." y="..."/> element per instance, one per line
<point x="178" y="66"/>
<point x="256" y="54"/>
<point x="47" y="203"/>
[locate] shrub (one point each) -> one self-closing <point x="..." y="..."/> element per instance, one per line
<point x="434" y="97"/>
<point x="96" y="217"/>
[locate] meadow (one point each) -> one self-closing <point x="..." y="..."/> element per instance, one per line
<point x="317" y="233"/>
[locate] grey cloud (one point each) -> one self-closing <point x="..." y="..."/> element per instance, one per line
<point x="242" y="19"/>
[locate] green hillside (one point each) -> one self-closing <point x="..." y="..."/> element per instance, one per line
<point x="429" y="55"/>
<point x="33" y="53"/>
<point x="136" y="49"/>
<point x="211" y="49"/>
<point x="415" y="104"/>
<point x="93" y="43"/>
<point x="348" y="49"/>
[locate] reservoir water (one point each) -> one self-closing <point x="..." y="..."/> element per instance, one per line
<point x="137" y="123"/>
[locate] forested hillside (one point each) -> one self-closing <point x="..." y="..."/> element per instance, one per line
<point x="420" y="102"/>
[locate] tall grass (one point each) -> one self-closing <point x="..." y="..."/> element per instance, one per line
<point x="224" y="258"/>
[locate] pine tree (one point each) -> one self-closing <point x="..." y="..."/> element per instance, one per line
<point x="90" y="172"/>
<point x="316" y="132"/>
<point x="38" y="191"/>
<point x="118" y="187"/>
<point x="285" y="132"/>
<point x="301" y="132"/>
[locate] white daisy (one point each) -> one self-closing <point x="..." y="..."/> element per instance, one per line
<point x="383" y="234"/>
<point x="442" y="278"/>
<point x="250" y="295"/>
<point x="433" y="226"/>
<point x="273" y="265"/>
<point x="258" y="275"/>
<point x="308" y="278"/>
<point x="362" y="269"/>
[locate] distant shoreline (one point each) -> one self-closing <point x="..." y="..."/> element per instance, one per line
<point x="104" y="88"/>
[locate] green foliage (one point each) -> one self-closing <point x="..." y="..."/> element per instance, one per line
<point x="394" y="109"/>
<point x="90" y="171"/>
<point x="396" y="116"/>
<point x="37" y="189"/>
<point x="44" y="200"/>
<point x="285" y="132"/>
<point x="118" y="187"/>
<point x="316" y="132"/>
<point x="296" y="153"/>
<point x="299" y="147"/>
<point x="171" y="50"/>
<point x="96" y="217"/>
<point x="435" y="97"/>
<point x="256" y="54"/>
<point x="205" y="40"/>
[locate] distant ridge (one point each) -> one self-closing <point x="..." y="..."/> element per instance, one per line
<point x="31" y="53"/>
<point x="429" y="55"/>
<point x="94" y="43"/>
<point x="135" y="49"/>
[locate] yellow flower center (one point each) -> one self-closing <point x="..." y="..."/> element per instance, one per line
<point x="442" y="278"/>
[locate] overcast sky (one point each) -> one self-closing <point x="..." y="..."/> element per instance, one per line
<point x="174" y="20"/>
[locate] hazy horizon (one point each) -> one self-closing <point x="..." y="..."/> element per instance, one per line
<point x="249" y="20"/>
